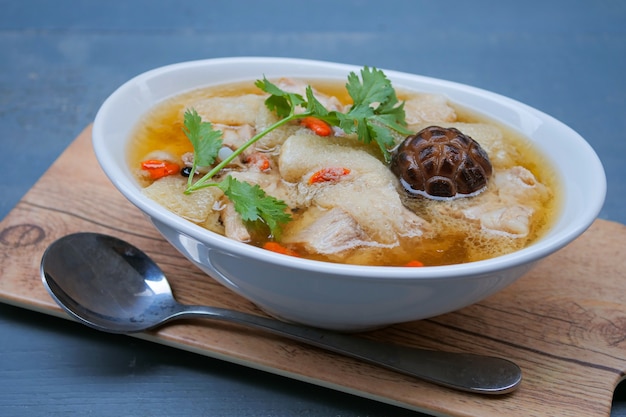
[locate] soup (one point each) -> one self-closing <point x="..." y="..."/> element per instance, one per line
<point x="345" y="204"/>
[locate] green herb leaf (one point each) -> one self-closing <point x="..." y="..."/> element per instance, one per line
<point x="205" y="140"/>
<point x="383" y="137"/>
<point x="253" y="204"/>
<point x="313" y="105"/>
<point x="375" y="87"/>
<point x="280" y="101"/>
<point x="376" y="110"/>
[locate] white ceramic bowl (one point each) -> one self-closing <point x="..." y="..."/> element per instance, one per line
<point x="346" y="297"/>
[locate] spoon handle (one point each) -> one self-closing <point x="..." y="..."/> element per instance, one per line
<point x="462" y="371"/>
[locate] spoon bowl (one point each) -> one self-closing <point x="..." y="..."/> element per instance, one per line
<point x="107" y="284"/>
<point x="112" y="286"/>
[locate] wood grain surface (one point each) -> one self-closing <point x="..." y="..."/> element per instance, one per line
<point x="564" y="322"/>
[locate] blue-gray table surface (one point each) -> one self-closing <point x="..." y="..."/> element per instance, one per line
<point x="60" y="59"/>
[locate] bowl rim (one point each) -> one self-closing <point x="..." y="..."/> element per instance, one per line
<point x="539" y="249"/>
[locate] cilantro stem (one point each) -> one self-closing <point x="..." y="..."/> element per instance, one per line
<point x="202" y="182"/>
<point x="194" y="165"/>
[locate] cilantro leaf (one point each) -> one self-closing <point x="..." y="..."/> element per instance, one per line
<point x="205" y="140"/>
<point x="375" y="88"/>
<point x="383" y="137"/>
<point x="280" y="101"/>
<point x="253" y="204"/>
<point x="376" y="110"/>
<point x="313" y="105"/>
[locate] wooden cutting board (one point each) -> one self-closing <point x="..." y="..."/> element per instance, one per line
<point x="564" y="322"/>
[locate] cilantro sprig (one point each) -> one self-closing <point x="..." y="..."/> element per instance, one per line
<point x="206" y="141"/>
<point x="250" y="201"/>
<point x="376" y="111"/>
<point x="253" y="204"/>
<point x="374" y="115"/>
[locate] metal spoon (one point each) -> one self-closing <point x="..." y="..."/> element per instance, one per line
<point x="112" y="286"/>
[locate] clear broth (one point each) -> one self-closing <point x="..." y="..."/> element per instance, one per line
<point x="455" y="242"/>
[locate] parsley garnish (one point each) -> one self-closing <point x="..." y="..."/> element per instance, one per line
<point x="374" y="115"/>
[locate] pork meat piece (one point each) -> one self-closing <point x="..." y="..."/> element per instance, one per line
<point x="369" y="193"/>
<point x="326" y="232"/>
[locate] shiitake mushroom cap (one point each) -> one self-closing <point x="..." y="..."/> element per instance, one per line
<point x="441" y="163"/>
